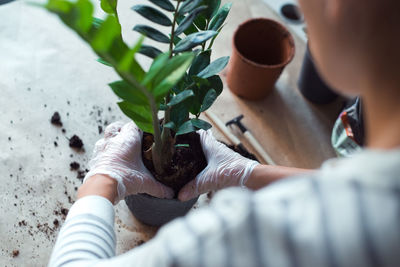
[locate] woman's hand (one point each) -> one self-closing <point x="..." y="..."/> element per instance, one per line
<point x="225" y="168"/>
<point x="118" y="156"/>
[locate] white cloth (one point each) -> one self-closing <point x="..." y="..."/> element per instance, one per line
<point x="348" y="214"/>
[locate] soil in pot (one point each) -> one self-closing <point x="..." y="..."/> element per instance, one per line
<point x="187" y="162"/>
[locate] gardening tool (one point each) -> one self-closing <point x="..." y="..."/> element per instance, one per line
<point x="251" y="139"/>
<point x="226" y="132"/>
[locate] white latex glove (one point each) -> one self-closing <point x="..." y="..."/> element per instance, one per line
<point x="119" y="156"/>
<point x="225" y="168"/>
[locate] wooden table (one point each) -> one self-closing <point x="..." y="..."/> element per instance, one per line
<point x="291" y="129"/>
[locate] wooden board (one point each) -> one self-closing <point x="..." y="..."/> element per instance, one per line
<point x="292" y="130"/>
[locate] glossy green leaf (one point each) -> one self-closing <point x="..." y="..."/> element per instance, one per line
<point x="201" y="22"/>
<point x="59" y="6"/>
<point x="201" y="82"/>
<point x="200" y="124"/>
<point x="200" y="62"/>
<point x="193" y="40"/>
<point x="170" y="125"/>
<point x="128" y="93"/>
<point x="109" y="6"/>
<point x="108" y="31"/>
<point x="163" y="107"/>
<point x="172" y="73"/>
<point x="182" y="145"/>
<point x="149" y="51"/>
<point x="213" y="6"/>
<point x="191" y="29"/>
<point x="171" y="64"/>
<point x="152" y="33"/>
<point x="139" y="114"/>
<point x="84" y="20"/>
<point x="96" y="22"/>
<point x="209" y="99"/>
<point x="188" y="6"/>
<point x="179" y="114"/>
<point x="176" y="39"/>
<point x="152" y="14"/>
<point x="155" y="68"/>
<point x="185" y="128"/>
<point x="216" y="84"/>
<point x="164" y="4"/>
<point x="215" y="37"/>
<point x="180" y="97"/>
<point x="220" y="17"/>
<point x="214" y="68"/>
<point x="103" y="61"/>
<point x="188" y="20"/>
<point x="128" y="59"/>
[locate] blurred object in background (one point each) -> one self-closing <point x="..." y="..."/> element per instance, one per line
<point x="2" y="2"/>
<point x="261" y="50"/>
<point x="310" y="83"/>
<point x="348" y="132"/>
<point x="291" y="14"/>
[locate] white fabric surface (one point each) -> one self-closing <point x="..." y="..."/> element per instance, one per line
<point x="43" y="67"/>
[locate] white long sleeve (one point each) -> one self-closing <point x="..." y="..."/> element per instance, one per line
<point x="87" y="235"/>
<point x="347" y="214"/>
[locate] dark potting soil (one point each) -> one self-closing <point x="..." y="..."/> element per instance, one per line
<point x="187" y="162"/>
<point x="75" y="142"/>
<point x="74" y="166"/>
<point x="56" y="119"/>
<point x="242" y="152"/>
<point x="15" y="253"/>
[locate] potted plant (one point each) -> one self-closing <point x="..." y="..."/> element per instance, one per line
<point x="181" y="83"/>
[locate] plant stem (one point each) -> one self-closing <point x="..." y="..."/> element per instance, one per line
<point x="171" y="42"/>
<point x="157" y="146"/>
<point x="167" y="142"/>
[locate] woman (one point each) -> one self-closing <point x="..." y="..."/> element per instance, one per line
<point x="345" y="214"/>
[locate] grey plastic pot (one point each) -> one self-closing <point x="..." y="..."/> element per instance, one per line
<point x="157" y="211"/>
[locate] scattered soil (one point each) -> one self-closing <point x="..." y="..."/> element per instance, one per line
<point x="22" y="223"/>
<point x="74" y="166"/>
<point x="186" y="164"/>
<point x="75" y="142"/>
<point x="81" y="174"/>
<point x="15" y="253"/>
<point x="56" y="119"/>
<point x="64" y="211"/>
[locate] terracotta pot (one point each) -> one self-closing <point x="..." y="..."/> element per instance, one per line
<point x="261" y="50"/>
<point x="157" y="211"/>
<point x="311" y="84"/>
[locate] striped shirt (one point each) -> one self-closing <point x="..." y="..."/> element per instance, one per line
<point x="346" y="214"/>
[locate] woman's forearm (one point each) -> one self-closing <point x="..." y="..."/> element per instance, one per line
<point x="263" y="175"/>
<point x="99" y="185"/>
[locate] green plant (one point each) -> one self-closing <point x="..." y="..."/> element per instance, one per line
<point x="179" y="82"/>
